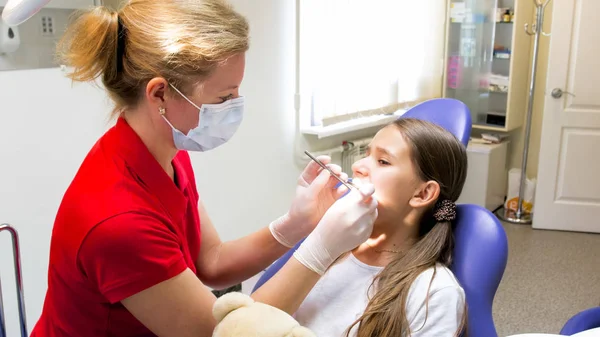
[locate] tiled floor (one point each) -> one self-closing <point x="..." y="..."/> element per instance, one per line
<point x="550" y="276"/>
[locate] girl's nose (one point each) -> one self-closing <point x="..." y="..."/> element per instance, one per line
<point x="360" y="168"/>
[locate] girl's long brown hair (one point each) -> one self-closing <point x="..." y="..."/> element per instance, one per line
<point x="436" y="155"/>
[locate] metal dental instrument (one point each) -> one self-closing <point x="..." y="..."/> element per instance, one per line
<point x="345" y="183"/>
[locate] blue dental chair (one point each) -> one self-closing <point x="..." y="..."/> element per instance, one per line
<point x="451" y="114"/>
<point x="481" y="245"/>
<point x="585" y="320"/>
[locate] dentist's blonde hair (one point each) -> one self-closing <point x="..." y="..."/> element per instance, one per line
<point x="180" y="40"/>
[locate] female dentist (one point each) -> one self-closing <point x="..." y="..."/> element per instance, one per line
<point x="131" y="253"/>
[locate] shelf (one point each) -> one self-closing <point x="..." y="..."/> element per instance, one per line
<point x="495" y="113"/>
<point x="490" y="127"/>
<point x="484" y="91"/>
<point x="481" y="23"/>
<point x="351" y="125"/>
<point x="492" y="48"/>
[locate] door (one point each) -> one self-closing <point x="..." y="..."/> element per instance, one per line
<point x="568" y="186"/>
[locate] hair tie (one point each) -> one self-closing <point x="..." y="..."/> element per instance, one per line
<point x="445" y="210"/>
<point x="120" y="44"/>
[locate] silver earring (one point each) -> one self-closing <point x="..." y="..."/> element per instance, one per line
<point x="161" y="110"/>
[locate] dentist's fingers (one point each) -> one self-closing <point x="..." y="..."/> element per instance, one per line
<point x="375" y="214"/>
<point x="372" y="204"/>
<point x="333" y="182"/>
<point x="337" y="169"/>
<point x="366" y="190"/>
<point x="322" y="180"/>
<point x="311" y="171"/>
<point x="340" y="191"/>
<point x="326" y="180"/>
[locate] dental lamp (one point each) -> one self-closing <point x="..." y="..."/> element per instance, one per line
<point x="18" y="11"/>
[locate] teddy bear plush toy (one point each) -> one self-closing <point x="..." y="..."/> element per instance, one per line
<point x="238" y="315"/>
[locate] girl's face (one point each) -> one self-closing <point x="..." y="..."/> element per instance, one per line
<point x="389" y="167"/>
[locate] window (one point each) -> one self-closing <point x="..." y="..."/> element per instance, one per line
<point x="361" y="60"/>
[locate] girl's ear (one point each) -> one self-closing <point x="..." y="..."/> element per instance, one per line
<point x="425" y="195"/>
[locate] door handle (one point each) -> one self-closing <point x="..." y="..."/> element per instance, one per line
<point x="558" y="92"/>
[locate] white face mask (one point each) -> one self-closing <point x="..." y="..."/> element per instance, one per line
<point x="217" y="124"/>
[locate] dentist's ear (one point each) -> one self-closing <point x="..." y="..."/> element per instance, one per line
<point x="425" y="195"/>
<point x="156" y="90"/>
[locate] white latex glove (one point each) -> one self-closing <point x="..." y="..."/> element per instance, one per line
<point x="347" y="224"/>
<point x="315" y="193"/>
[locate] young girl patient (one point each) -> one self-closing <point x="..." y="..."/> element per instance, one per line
<point x="398" y="282"/>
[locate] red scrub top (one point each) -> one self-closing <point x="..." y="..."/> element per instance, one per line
<point x="123" y="226"/>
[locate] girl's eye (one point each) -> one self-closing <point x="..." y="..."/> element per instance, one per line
<point x="383" y="162"/>
<point x="226" y="98"/>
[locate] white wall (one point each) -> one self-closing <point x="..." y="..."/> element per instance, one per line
<point x="251" y="180"/>
<point x="47" y="127"/>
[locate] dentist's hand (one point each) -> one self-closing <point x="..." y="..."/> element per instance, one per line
<point x="315" y="193"/>
<point x="347" y="224"/>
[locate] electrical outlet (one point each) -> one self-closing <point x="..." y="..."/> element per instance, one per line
<point x="47" y="26"/>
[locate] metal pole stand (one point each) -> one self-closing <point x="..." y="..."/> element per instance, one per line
<point x="19" y="282"/>
<point x="521" y="216"/>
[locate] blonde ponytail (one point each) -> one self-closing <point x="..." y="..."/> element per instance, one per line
<point x="89" y="45"/>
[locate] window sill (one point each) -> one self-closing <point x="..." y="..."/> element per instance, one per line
<point x="352" y="125"/>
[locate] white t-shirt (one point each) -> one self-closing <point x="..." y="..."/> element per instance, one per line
<point x="340" y="298"/>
